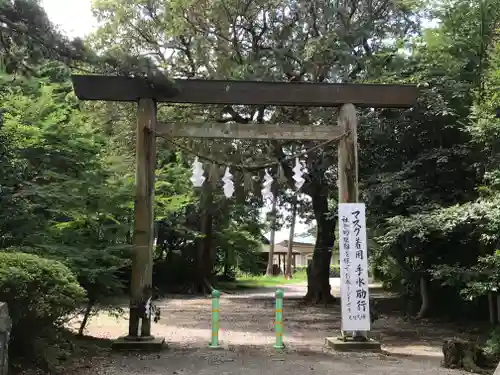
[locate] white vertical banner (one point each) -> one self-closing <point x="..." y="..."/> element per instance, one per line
<point x="353" y="267"/>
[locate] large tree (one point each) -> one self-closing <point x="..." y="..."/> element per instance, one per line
<point x="315" y="41"/>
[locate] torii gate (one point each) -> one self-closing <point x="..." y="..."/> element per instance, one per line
<point x="125" y="89"/>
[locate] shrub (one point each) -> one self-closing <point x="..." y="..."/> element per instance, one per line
<point x="492" y="345"/>
<point x="438" y="245"/>
<point x="40" y="293"/>
<point x="96" y="269"/>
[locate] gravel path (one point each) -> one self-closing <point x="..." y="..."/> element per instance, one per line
<point x="247" y="337"/>
<point x="203" y="362"/>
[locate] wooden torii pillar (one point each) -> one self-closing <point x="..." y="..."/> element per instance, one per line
<point x="124" y="89"/>
<point x="142" y="261"/>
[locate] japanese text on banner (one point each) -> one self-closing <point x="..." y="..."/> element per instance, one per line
<point x="353" y="267"/>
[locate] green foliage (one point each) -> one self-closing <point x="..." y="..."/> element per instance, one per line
<point x="97" y="269"/>
<point x="424" y="158"/>
<point x="40" y="293"/>
<point x="485" y="126"/>
<point x="459" y="233"/>
<point x="427" y="167"/>
<point x="238" y="250"/>
<point x="47" y="147"/>
<point x="28" y="36"/>
<point x="473" y="282"/>
<point x="64" y="199"/>
<point x="492" y="345"/>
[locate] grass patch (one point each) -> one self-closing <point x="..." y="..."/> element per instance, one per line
<point x="256" y="282"/>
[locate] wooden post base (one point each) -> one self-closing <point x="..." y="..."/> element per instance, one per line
<point x="147" y="344"/>
<point x="350" y="345"/>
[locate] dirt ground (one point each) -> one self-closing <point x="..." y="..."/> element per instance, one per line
<point x="247" y="337"/>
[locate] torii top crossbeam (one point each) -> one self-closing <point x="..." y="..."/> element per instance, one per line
<point x="195" y="91"/>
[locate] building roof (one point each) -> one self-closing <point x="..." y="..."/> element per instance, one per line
<point x="302" y="244"/>
<point x="311" y="240"/>
<point x="278" y="249"/>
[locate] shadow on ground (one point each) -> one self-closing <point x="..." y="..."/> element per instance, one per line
<point x="247" y="323"/>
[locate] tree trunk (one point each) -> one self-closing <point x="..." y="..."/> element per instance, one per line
<point x="130" y="228"/>
<point x="424" y="295"/>
<point x="204" y="261"/>
<point x="318" y="273"/>
<point x="227" y="265"/>
<point x="491" y="305"/>
<point x="86" y="317"/>
<point x="270" y="260"/>
<point x="498" y="308"/>
<point x="288" y="271"/>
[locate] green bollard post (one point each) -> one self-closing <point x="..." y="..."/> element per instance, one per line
<point x="278" y="324"/>
<point x="214" y="342"/>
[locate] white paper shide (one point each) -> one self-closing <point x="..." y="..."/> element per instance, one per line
<point x="228" y="183"/>
<point x="353" y="267"/>
<point x="197" y="178"/>
<point x="266" y="186"/>
<point x="297" y="174"/>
